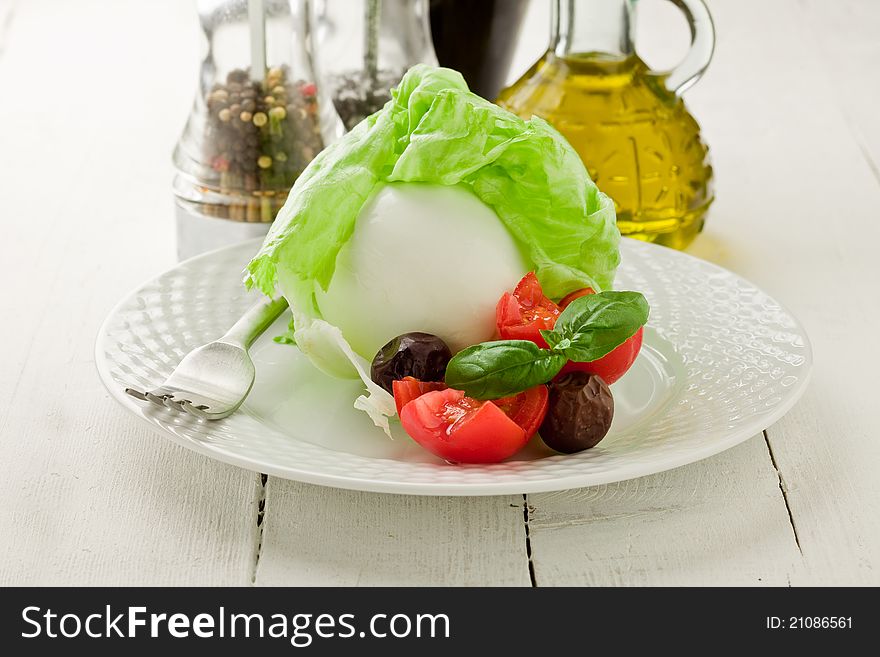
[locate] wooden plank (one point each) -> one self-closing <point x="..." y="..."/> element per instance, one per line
<point x="90" y="496"/>
<point x="719" y="522"/>
<point x="323" y="536"/>
<point x="797" y="213"/>
<point x="844" y="513"/>
<point x="314" y="536"/>
<point x="844" y="37"/>
<point x="722" y="521"/>
<point x="7" y="13"/>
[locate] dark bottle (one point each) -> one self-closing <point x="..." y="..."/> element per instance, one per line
<point x="477" y="37"/>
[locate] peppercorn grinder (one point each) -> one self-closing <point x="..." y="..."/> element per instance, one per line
<point x="365" y="46"/>
<point x="259" y="117"/>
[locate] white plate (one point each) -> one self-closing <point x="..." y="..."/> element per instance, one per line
<point x="721" y="362"/>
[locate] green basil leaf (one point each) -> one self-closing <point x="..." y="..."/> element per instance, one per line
<point x="594" y="325"/>
<point x="556" y="340"/>
<point x="584" y="349"/>
<point x="498" y="369"/>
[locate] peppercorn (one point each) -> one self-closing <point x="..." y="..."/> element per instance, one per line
<point x="236" y="77"/>
<point x="256" y="161"/>
<point x="356" y="95"/>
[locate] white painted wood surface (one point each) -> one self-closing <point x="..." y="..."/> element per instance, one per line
<point x="92" y="98"/>
<point x="318" y="536"/>
<point x="88" y="496"/>
<point x="722" y="521"/>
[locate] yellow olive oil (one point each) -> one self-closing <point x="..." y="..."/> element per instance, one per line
<point x="636" y="138"/>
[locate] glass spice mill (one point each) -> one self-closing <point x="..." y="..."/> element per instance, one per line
<point x="365" y="46"/>
<point x="258" y="119"/>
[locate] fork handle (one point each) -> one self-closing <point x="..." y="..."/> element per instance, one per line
<point x="256" y="320"/>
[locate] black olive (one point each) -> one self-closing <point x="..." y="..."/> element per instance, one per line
<point x="579" y="412"/>
<point x="420" y="355"/>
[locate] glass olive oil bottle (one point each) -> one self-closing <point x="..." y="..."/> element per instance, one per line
<point x="628" y="123"/>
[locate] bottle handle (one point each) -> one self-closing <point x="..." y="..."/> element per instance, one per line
<point x="682" y="77"/>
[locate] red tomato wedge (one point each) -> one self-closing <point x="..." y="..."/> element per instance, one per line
<point x="613" y="365"/>
<point x="525" y="313"/>
<point x="461" y="429"/>
<point x="527" y="408"/>
<point x="409" y="388"/>
<point x="577" y="294"/>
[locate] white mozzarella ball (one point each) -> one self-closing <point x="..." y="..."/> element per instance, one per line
<point x="423" y="257"/>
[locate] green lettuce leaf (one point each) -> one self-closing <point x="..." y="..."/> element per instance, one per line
<point x="434" y="130"/>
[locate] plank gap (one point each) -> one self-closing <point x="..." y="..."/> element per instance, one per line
<point x="781" y="481"/>
<point x="867" y="155"/>
<point x="528" y="541"/>
<point x="261" y="514"/>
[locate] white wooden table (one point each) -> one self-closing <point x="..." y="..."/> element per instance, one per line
<point x="92" y="98"/>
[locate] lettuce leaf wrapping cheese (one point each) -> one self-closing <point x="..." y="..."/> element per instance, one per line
<point x="435" y="131"/>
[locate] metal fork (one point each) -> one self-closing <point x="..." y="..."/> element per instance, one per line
<point x="213" y="380"/>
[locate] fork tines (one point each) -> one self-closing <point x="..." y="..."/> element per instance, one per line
<point x="166" y="400"/>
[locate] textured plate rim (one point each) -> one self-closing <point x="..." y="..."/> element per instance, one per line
<point x="720" y="444"/>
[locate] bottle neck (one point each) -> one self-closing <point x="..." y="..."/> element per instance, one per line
<point x="601" y="28"/>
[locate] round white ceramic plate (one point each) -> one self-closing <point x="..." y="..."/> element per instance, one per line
<point x="721" y="362"/>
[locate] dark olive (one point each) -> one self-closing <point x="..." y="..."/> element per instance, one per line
<point x="579" y="412"/>
<point x="420" y="355"/>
